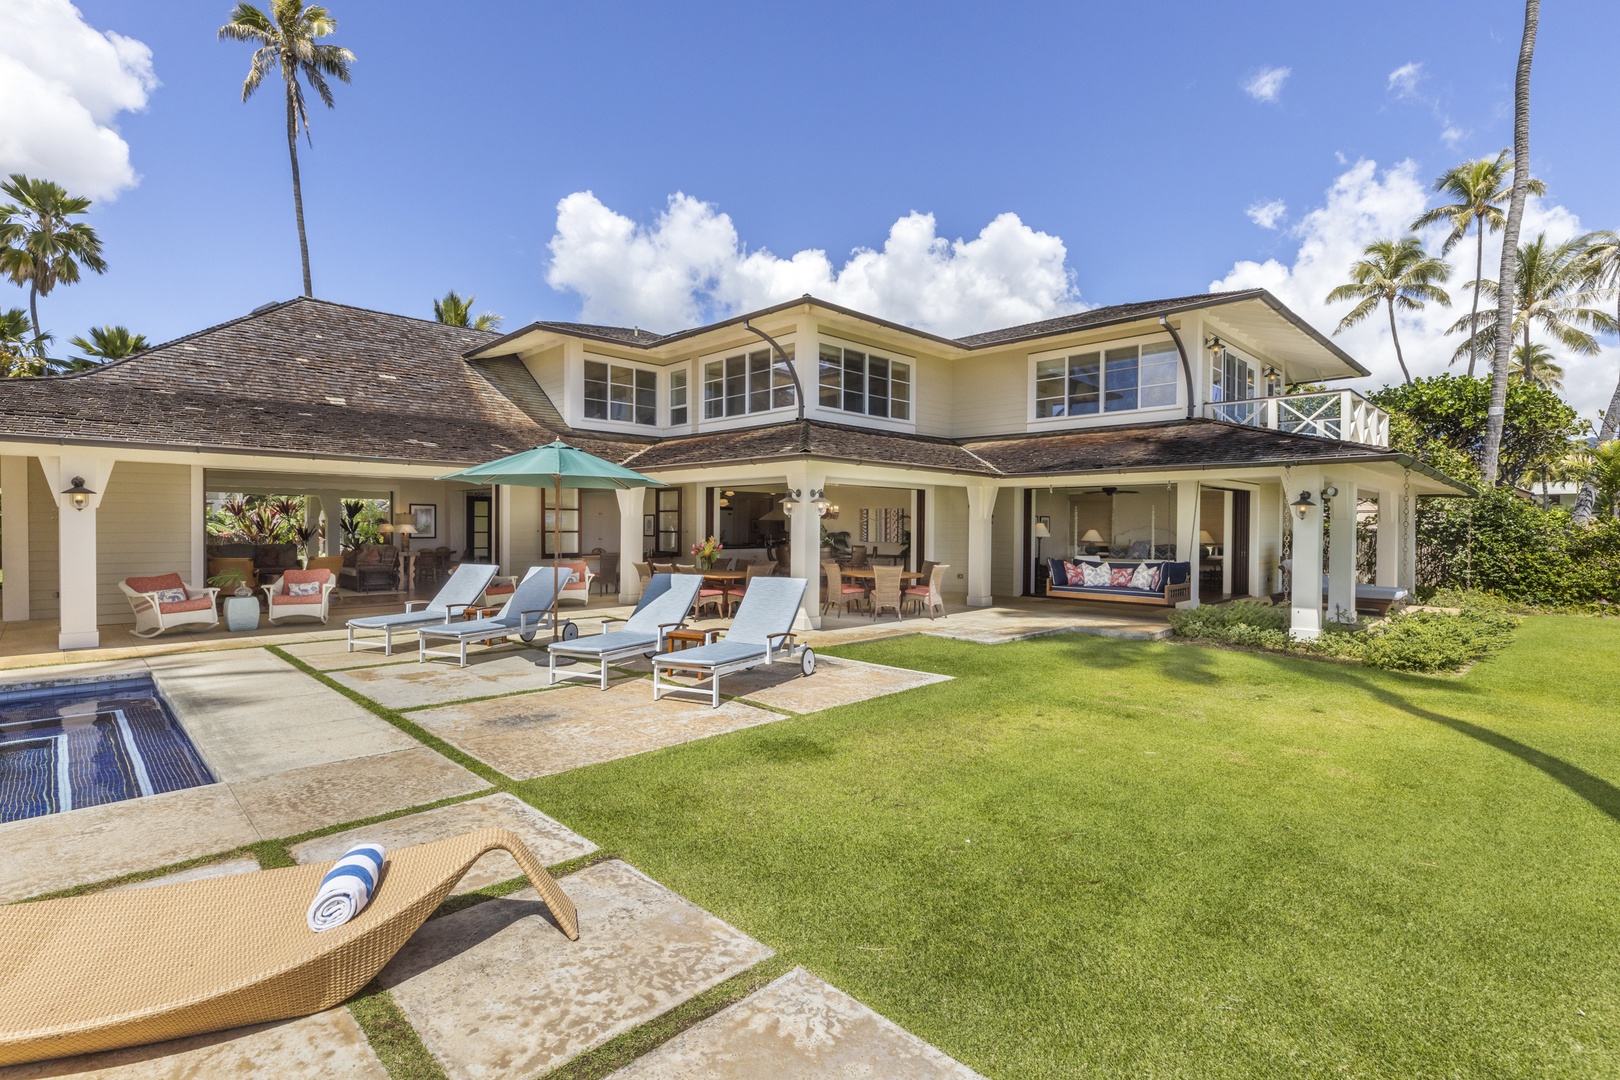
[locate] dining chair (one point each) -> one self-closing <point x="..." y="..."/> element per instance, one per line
<point x="838" y="590"/>
<point x="708" y="595"/>
<point x="859" y="559"/>
<point x="646" y="572"/>
<point x="928" y="594"/>
<point x="755" y="570"/>
<point x="886" y="582"/>
<point x="607" y="571"/>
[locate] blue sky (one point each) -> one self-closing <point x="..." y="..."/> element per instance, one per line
<point x="1123" y="129"/>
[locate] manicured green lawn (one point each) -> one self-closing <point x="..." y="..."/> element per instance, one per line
<point x="1097" y="858"/>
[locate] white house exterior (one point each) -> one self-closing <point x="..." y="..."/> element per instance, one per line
<point x="1176" y="407"/>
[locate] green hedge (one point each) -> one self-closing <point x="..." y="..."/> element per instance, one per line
<point x="1426" y="641"/>
<point x="1502" y="544"/>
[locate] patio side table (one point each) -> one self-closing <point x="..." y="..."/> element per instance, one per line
<point x="241" y="613"/>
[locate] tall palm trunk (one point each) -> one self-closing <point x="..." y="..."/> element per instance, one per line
<point x="33" y="313"/>
<point x="298" y="190"/>
<point x="1586" y="501"/>
<point x="1389" y="302"/>
<point x="1496" y="417"/>
<point x="1473" y="320"/>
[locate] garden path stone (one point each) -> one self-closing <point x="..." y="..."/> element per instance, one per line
<point x="227" y="868"/>
<point x="541" y="734"/>
<point x="438" y="682"/>
<point x="495" y="990"/>
<point x="290" y="803"/>
<point x="837" y="681"/>
<point x="320" y="1047"/>
<point x="797" y="1028"/>
<point x="550" y="841"/>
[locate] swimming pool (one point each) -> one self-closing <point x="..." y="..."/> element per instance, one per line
<point x="72" y="745"/>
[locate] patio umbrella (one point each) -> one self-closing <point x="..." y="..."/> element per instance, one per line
<point x="555" y="465"/>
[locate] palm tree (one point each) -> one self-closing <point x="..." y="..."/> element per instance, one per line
<point x="16" y="359"/>
<point x="454" y="311"/>
<point x="1603" y="473"/>
<point x="1553" y="282"/>
<point x="1395" y="273"/>
<point x="287" y="40"/>
<point x="106" y="343"/>
<point x="1479" y="189"/>
<point x="41" y="246"/>
<point x="1540" y="370"/>
<point x="1496" y="414"/>
<point x="1602" y="264"/>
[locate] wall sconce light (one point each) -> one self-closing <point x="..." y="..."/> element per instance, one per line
<point x="819" y="500"/>
<point x="1303" y="505"/>
<point x="1214" y="344"/>
<point x="81" y="494"/>
<point x="1330" y="492"/>
<point x="790" y="502"/>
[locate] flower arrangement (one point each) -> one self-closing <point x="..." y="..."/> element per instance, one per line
<point x="708" y="552"/>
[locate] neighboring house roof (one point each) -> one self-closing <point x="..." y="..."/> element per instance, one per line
<point x="304" y="376"/>
<point x="809" y="438"/>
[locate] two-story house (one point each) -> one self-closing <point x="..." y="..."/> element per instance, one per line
<point x="1164" y="428"/>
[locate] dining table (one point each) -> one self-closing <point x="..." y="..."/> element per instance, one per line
<point x="864" y="573"/>
<point x="726" y="580"/>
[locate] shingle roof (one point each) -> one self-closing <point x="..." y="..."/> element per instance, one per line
<point x="306" y="376"/>
<point x="809" y="438"/>
<point x="1171" y="445"/>
<point x="630" y="335"/>
<point x="1100" y="316"/>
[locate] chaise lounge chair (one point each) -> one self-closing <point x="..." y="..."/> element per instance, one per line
<point x="663" y="607"/>
<point x="526" y="611"/>
<point x="467" y="583"/>
<point x="116" y="969"/>
<point x="762" y="631"/>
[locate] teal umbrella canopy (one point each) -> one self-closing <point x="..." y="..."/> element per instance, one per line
<point x="553" y="465"/>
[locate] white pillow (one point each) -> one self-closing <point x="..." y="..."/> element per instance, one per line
<point x="1145" y="577"/>
<point x="171" y="596"/>
<point x="1096" y="575"/>
<point x="303" y="588"/>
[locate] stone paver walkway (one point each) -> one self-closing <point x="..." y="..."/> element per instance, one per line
<point x="438" y="682"/>
<point x="496" y="990"/>
<point x="797" y="1028"/>
<point x="550" y="841"/>
<point x="325" y="1046"/>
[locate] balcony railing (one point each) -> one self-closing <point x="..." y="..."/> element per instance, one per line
<point x="1327" y="414"/>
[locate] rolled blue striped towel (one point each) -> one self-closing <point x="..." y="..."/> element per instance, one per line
<point x="346" y="889"/>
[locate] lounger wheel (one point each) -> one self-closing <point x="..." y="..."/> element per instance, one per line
<point x="807" y="661"/>
<point x="570" y="631"/>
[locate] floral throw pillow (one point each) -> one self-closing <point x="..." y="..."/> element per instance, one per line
<point x="303" y="588"/>
<point x="1072" y="574"/>
<point x="1121" y="578"/>
<point x="1094" y="575"/>
<point x="1146" y="578"/>
<point x="172" y="596"/>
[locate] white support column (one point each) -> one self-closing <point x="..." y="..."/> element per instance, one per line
<point x="1187" y="528"/>
<point x="199" y="528"/>
<point x="332" y="510"/>
<point x="1341" y="605"/>
<point x="804" y="544"/>
<point x="632" y="505"/>
<point x="503" y="539"/>
<point x="1306" y="598"/>
<point x="76" y="544"/>
<point x="1407" y="578"/>
<point x="14" y="538"/>
<point x="981" y="498"/>
<point x="1388" y="570"/>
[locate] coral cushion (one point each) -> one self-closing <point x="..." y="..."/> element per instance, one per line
<point x="580" y="570"/>
<point x="201" y="603"/>
<point x="155" y="584"/>
<point x="304" y="577"/>
<point x="283" y="599"/>
<point x="1121" y="578"/>
<point x="500" y="590"/>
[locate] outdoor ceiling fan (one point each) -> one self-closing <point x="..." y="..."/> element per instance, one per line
<point x="1112" y="491"/>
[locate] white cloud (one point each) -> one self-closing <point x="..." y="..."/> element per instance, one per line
<point x="1453" y="137"/>
<point x="1404" y="79"/>
<point x="1267" y="83"/>
<point x="689" y="265"/>
<point x="62" y="85"/>
<point x="1268" y="215"/>
<point x="1363" y="205"/>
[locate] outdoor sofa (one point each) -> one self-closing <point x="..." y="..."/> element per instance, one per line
<point x="129" y="967"/>
<point x="761" y="631"/>
<point x="1162" y="582"/>
<point x="165" y="602"/>
<point x="663" y="607"/>
<point x="461" y="591"/>
<point x="527" y="611"/>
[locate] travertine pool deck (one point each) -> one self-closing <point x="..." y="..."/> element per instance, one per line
<point x="550" y="841"/>
<point x="503" y="670"/>
<point x="797" y="1028"/>
<point x="496" y="990"/>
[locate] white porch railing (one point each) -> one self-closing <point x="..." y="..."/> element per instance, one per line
<point x="1327" y="414"/>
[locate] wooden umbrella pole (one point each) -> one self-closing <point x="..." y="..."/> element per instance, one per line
<point x="556" y="555"/>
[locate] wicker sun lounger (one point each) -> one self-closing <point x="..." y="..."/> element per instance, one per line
<point x="467" y="583"/>
<point x="761" y="631"/>
<point x="527" y="611"/>
<point x="119" y="969"/>
<point x="663" y="607"/>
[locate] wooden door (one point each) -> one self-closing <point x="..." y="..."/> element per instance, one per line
<point x="1237" y="552"/>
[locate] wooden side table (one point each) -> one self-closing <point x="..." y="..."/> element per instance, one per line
<point x="473" y="614"/>
<point x="683" y="639"/>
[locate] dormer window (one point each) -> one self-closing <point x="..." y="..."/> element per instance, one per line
<point x="620" y="393"/>
<point x="746" y="383"/>
<point x="1107" y="380"/>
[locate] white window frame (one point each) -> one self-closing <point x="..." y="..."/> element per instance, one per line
<point x="1104" y="415"/>
<point x="622" y="425"/>
<point x="698" y="394"/>
<point x="1256" y="368"/>
<point x="685" y="404"/>
<point x="890" y="357"/>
